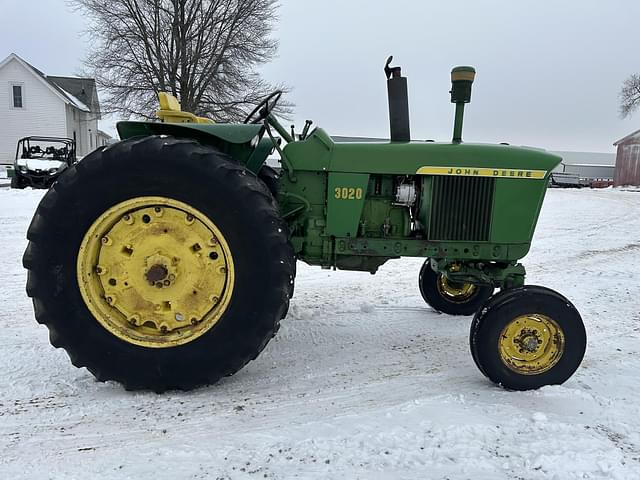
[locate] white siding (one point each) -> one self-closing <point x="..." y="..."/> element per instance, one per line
<point x="86" y="127"/>
<point x="43" y="112"/>
<point x="90" y="132"/>
<point x="73" y="124"/>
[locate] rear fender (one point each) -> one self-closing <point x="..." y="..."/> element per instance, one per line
<point x="239" y="141"/>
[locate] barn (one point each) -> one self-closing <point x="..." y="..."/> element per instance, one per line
<point x="628" y="160"/>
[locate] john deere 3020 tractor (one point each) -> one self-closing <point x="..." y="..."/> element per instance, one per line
<point x="167" y="260"/>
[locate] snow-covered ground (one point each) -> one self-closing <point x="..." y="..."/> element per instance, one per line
<point x="363" y="380"/>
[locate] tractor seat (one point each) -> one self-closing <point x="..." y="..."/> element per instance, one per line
<point x="171" y="112"/>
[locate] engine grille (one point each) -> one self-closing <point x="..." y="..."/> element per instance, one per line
<point x="461" y="208"/>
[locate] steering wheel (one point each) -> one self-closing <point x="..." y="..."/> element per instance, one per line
<point x="264" y="108"/>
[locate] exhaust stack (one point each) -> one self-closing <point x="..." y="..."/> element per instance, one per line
<point x="461" y="82"/>
<point x="398" y="103"/>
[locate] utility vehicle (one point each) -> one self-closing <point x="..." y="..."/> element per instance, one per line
<point x="168" y="259"/>
<point x="39" y="161"/>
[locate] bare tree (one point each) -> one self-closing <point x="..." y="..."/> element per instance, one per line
<point x="630" y="95"/>
<point x="205" y="52"/>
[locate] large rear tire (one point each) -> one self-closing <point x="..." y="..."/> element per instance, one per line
<point x="271" y="178"/>
<point x="159" y="263"/>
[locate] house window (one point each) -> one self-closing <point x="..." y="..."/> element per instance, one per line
<point x="17" y="96"/>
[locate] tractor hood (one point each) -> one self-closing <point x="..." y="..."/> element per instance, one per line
<point x="422" y="158"/>
<point x="230" y="133"/>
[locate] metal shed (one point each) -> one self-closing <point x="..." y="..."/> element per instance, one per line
<point x="628" y="160"/>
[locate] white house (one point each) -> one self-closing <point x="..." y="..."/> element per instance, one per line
<point x="32" y="103"/>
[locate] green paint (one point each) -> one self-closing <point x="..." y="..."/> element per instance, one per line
<point x="345" y="201"/>
<point x="231" y="133"/>
<point x="259" y="155"/>
<point x="346" y="204"/>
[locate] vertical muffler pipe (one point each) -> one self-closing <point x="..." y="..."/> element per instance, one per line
<point x="461" y="82"/>
<point x="398" y="103"/>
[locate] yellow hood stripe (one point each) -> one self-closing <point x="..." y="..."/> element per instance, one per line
<point x="483" y="172"/>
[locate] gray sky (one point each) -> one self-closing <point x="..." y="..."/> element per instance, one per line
<point x="549" y="72"/>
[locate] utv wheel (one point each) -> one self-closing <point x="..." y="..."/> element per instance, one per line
<point x="16" y="183"/>
<point x="528" y="337"/>
<point x="449" y="297"/>
<point x="159" y="263"/>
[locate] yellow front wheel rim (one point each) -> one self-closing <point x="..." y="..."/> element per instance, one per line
<point x="155" y="272"/>
<point x="531" y="344"/>
<point x="455" y="292"/>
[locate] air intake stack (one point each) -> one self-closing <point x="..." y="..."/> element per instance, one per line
<point x="398" y="103"/>
<point x="461" y="82"/>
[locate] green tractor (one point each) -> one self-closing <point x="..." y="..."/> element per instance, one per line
<point x="167" y="260"/>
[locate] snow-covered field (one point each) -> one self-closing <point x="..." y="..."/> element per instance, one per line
<point x="363" y="380"/>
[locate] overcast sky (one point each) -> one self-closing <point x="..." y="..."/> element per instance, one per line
<point x="549" y="72"/>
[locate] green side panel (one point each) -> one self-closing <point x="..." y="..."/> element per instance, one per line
<point x="516" y="208"/>
<point x="228" y="132"/>
<point x="313" y="153"/>
<point x="303" y="205"/>
<point x="10" y="172"/>
<point x="346" y="194"/>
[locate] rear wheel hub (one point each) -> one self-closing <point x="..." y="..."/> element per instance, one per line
<point x="155" y="272"/>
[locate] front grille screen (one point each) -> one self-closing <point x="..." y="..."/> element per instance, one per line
<point x="461" y="208"/>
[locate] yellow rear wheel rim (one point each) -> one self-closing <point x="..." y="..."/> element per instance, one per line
<point x="155" y="272"/>
<point x="455" y="292"/>
<point x="531" y="344"/>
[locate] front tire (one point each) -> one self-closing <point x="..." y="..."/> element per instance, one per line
<point x="450" y="297"/>
<point x="528" y="337"/>
<point x="159" y="263"/>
